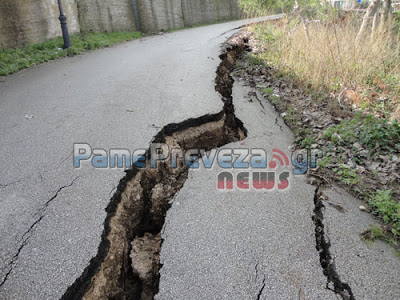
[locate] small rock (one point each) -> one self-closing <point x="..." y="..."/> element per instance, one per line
<point x="360" y="169"/>
<point x="312" y="180"/>
<point x="352" y="164"/>
<point x="358" y="146"/>
<point x="363" y="208"/>
<point x="324" y="197"/>
<point x="363" y="153"/>
<point x="396" y="159"/>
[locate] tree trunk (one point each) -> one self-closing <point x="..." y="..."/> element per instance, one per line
<point x="375" y="20"/>
<point x="371" y="12"/>
<point x="386" y="19"/>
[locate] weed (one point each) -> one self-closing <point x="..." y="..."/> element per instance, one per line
<point x="323" y="163"/>
<point x="13" y="60"/>
<point x="347" y="175"/>
<point x="290" y="117"/>
<point x="272" y="97"/>
<point x="331" y="60"/>
<point x="255" y="60"/>
<point x="383" y="205"/>
<point x="375" y="232"/>
<point x="379" y="136"/>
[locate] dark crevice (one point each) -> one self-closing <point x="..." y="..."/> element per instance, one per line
<point x="261" y="289"/>
<point x="256" y="268"/>
<point x="323" y="247"/>
<point x="26" y="236"/>
<point x="258" y="99"/>
<point x="127" y="263"/>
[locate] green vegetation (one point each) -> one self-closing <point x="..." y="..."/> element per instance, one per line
<point x="378" y="135"/>
<point x="325" y="161"/>
<point x="257" y="7"/>
<point x="347" y="175"/>
<point x="13" y="60"/>
<point x="255" y="60"/>
<point x="319" y="51"/>
<point x="383" y="205"/>
<point x="341" y="62"/>
<point x="375" y="232"/>
<point x="274" y="99"/>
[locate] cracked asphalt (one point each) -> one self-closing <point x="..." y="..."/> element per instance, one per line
<point x="217" y="245"/>
<point x="262" y="245"/>
<point x="52" y="215"/>
<point x="243" y="244"/>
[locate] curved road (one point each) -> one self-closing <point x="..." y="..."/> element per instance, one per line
<point x="52" y="215"/>
<point x="217" y="245"/>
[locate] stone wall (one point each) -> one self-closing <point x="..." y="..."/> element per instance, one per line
<point x="31" y="21"/>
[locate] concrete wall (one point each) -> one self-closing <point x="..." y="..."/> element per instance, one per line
<point x="208" y="11"/>
<point x="157" y="15"/>
<point x="31" y="21"/>
<point x="106" y="15"/>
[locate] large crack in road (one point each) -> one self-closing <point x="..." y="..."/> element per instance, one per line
<point x="127" y="263"/>
<point x="323" y="246"/>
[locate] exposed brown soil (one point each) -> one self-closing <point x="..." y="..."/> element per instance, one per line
<point x="127" y="264"/>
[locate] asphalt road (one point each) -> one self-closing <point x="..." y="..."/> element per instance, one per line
<point x="218" y="245"/>
<point x="249" y="244"/>
<point x="52" y="215"/>
<point x="243" y="244"/>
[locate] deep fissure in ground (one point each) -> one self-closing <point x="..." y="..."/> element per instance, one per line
<point x="127" y="263"/>
<point x="323" y="246"/>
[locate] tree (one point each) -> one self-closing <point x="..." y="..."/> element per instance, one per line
<point x="286" y="6"/>
<point x="372" y="13"/>
<point x="387" y="16"/>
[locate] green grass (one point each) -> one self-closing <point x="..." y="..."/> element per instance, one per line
<point x="13" y="60"/>
<point x="379" y="136"/>
<point x="274" y="99"/>
<point x="347" y="175"/>
<point x="375" y="232"/>
<point x="256" y="60"/>
<point x="383" y="204"/>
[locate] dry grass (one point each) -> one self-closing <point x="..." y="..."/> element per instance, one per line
<point x="367" y="72"/>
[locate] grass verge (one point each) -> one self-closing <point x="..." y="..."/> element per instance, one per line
<point x="339" y="99"/>
<point x="364" y="74"/>
<point x="15" y="59"/>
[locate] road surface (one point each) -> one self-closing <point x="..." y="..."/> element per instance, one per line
<point x="229" y="245"/>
